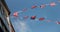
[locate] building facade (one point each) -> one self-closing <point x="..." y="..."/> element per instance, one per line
<point x="5" y="23"/>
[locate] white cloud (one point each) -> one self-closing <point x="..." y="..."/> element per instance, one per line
<point x="20" y="11"/>
<point x="21" y="26"/>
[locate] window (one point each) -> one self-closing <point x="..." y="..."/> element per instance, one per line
<point x="1" y="29"/>
<point x="3" y="26"/>
<point x="3" y="12"/>
<point x="1" y="9"/>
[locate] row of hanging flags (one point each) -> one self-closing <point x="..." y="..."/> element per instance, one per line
<point x="52" y="4"/>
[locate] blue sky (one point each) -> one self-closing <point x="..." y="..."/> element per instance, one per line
<point x="28" y="25"/>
